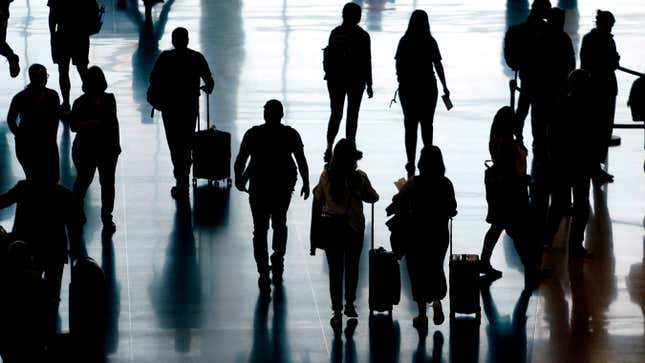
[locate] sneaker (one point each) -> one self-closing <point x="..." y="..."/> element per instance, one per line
<point x="490" y="272"/>
<point x="410" y="169"/>
<point x="437" y="316"/>
<point x="350" y="311"/>
<point x="14" y="65"/>
<point x="276" y="275"/>
<point x="264" y="283"/>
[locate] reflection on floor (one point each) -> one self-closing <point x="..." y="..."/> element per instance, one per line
<point x="182" y="280"/>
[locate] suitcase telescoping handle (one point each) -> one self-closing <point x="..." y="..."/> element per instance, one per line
<point x="208" y="114"/>
<point x="372" y="226"/>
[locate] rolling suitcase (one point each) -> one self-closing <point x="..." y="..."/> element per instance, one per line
<point x="464" y="283"/>
<point x="211" y="151"/>
<point x="88" y="309"/>
<point x="385" y="278"/>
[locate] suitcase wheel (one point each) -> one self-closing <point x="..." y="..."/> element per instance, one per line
<point x="194" y="182"/>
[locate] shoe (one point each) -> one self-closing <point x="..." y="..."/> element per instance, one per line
<point x="437" y="315"/>
<point x="420" y="323"/>
<point x="264" y="283"/>
<point x="602" y="178"/>
<point x="276" y="275"/>
<point x="410" y="169"/>
<point x="350" y="311"/>
<point x="179" y="194"/>
<point x="14" y="65"/>
<point x="490" y="272"/>
<point x="336" y="321"/>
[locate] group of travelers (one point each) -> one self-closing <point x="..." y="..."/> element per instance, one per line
<point x="572" y="114"/>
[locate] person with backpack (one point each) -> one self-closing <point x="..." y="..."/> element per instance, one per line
<point x="96" y="146"/>
<point x="342" y="189"/>
<point x="574" y="160"/>
<point x="347" y="61"/>
<point x="272" y="175"/>
<point x="416" y="55"/>
<point x="507" y="197"/>
<point x="428" y="202"/>
<point x="71" y="22"/>
<point x="174" y="90"/>
<point x="5" y="49"/>
<point x="599" y="57"/>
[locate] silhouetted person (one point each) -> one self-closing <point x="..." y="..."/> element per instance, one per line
<point x="96" y="146"/>
<point x="341" y="190"/>
<point x="599" y="57"/>
<point x="573" y="160"/>
<point x="529" y="32"/>
<point x="272" y="174"/>
<point x="415" y="57"/>
<point x="33" y="119"/>
<point x="47" y="218"/>
<point x="5" y="49"/>
<point x="70" y="23"/>
<point x="177" y="75"/>
<point x="23" y="308"/>
<point x="348" y="70"/>
<point x="555" y="61"/>
<point x="428" y="200"/>
<point x="507" y="197"/>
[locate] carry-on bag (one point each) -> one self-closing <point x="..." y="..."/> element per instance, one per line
<point x="211" y="151"/>
<point x="464" y="283"/>
<point x="385" y="278"/>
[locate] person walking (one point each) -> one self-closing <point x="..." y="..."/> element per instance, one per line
<point x="33" y="120"/>
<point x="415" y="57"/>
<point x="427" y="201"/>
<point x="96" y="145"/>
<point x="342" y="189"/>
<point x="272" y="175"/>
<point x="599" y="57"/>
<point x="5" y="49"/>
<point x="175" y="82"/>
<point x="348" y="70"/>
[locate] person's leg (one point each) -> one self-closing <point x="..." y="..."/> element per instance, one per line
<point x="53" y="277"/>
<point x="25" y="156"/>
<point x="438" y="286"/>
<point x="107" y="179"/>
<point x="260" y="214"/>
<point x="490" y="240"/>
<point x="279" y="208"/>
<point x="428" y="110"/>
<point x="581" y="210"/>
<point x="337" y="94"/>
<point x="353" y="249"/>
<point x="5" y="49"/>
<point x="85" y="169"/>
<point x="335" y="263"/>
<point x="64" y="82"/>
<point x="410" y="123"/>
<point x="81" y="55"/>
<point x="178" y="136"/>
<point x="354" y="97"/>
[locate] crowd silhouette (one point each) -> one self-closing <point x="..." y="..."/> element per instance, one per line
<point x="571" y="112"/>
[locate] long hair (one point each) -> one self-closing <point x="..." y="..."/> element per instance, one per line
<point x="419" y="26"/>
<point x="94" y="81"/>
<point x="341" y="168"/>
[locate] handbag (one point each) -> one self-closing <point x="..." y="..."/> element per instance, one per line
<point x="324" y="225"/>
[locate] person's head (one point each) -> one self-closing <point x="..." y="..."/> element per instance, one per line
<point x="555" y="18"/>
<point x="605" y="20"/>
<point x="503" y="122"/>
<point x="180" y="38"/>
<point x="38" y="75"/>
<point x="342" y="165"/>
<point x="431" y="162"/>
<point x="352" y="13"/>
<point x="540" y="8"/>
<point x="94" y="81"/>
<point x="578" y="82"/>
<point x="273" y="112"/>
<point x="419" y="24"/>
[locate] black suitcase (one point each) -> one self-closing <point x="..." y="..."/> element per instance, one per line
<point x="88" y="310"/>
<point x="211" y="151"/>
<point x="385" y="278"/>
<point x="464" y="283"/>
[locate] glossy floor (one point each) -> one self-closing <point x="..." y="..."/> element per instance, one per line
<point x="183" y="286"/>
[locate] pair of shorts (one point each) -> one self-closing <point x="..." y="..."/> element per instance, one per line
<point x="67" y="47"/>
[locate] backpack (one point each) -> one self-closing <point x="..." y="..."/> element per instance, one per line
<point x="637" y="99"/>
<point x="515" y="46"/>
<point x="95" y="18"/>
<point x="337" y="56"/>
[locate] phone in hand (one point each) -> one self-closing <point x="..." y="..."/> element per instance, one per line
<point x="447" y="102"/>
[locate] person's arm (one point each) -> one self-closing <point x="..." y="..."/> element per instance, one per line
<point x="12" y="115"/>
<point x="304" y="171"/>
<point x="52" y="16"/>
<point x="10" y="197"/>
<point x="370" y="91"/>
<point x="368" y="194"/>
<point x="439" y="66"/>
<point x="207" y="76"/>
<point x="239" y="167"/>
<point x="451" y="206"/>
